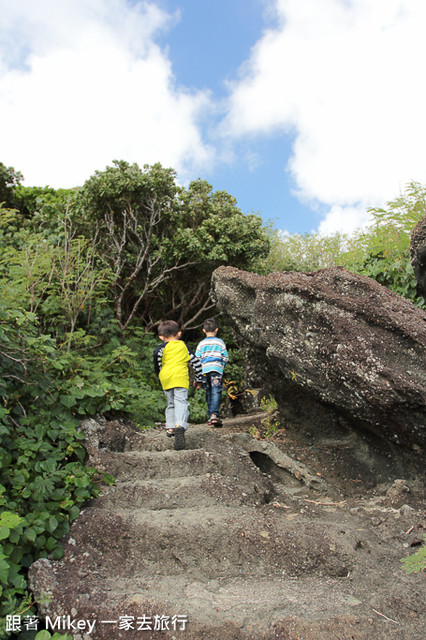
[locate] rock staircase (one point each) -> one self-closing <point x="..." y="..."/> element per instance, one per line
<point x="201" y="544"/>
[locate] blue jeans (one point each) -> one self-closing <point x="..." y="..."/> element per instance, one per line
<point x="213" y="385"/>
<point x="177" y="410"/>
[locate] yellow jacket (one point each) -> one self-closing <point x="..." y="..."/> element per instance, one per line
<point x="171" y="364"/>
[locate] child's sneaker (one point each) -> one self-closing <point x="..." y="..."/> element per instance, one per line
<point x="215" y="421"/>
<point x="179" y="438"/>
<point x="170" y="433"/>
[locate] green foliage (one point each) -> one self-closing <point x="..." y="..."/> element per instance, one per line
<point x="416" y="562"/>
<point x="235" y="369"/>
<point x="37" y="212"/>
<point x="268" y="404"/>
<point x="118" y="378"/>
<point x="310" y="252"/>
<point x="45" y="389"/>
<point x="83" y="274"/>
<point x="214" y="229"/>
<point x="381" y="251"/>
<point x="58" y="283"/>
<point x="9" y="179"/>
<point x="130" y="211"/>
<point x="43" y="207"/>
<point x="270" y="426"/>
<point x="395" y="273"/>
<point x="43" y="481"/>
<point x="161" y="242"/>
<point x="209" y="231"/>
<point x="197" y="405"/>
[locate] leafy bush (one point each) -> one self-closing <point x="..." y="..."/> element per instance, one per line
<point x="43" y="481"/>
<point x="309" y="252"/>
<point x="382" y="252"/>
<point x="45" y="390"/>
<point x="197" y="405"/>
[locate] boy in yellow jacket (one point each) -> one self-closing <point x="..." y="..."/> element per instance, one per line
<point x="171" y="361"/>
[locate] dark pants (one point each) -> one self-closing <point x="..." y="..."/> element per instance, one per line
<point x="213" y="384"/>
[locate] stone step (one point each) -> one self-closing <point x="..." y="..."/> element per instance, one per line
<point x="147" y="465"/>
<point x="209" y="542"/>
<point x="201" y="536"/>
<point x="156" y="439"/>
<point x="183" y="608"/>
<point x="251" y="604"/>
<point x="172" y="493"/>
<point x="196" y="437"/>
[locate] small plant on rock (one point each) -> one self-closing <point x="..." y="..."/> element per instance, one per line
<point x="416" y="562"/>
<point x="270" y="425"/>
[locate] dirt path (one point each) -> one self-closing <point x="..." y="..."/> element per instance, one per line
<point x="232" y="539"/>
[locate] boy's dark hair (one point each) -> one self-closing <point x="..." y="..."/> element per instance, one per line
<point x="210" y="325"/>
<point x="168" y="328"/>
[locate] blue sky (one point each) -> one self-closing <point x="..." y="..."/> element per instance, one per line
<point x="211" y="39"/>
<point x="307" y="111"/>
<point x="209" y="43"/>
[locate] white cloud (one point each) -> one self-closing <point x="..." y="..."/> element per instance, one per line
<point x="345" y="79"/>
<point x="82" y="82"/>
<point x="344" y="219"/>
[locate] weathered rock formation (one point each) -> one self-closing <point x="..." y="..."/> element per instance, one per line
<point x="418" y="253"/>
<point x="336" y="349"/>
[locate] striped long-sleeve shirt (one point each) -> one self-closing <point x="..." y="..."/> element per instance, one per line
<point x="213" y="355"/>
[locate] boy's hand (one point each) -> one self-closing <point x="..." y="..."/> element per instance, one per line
<point x="197" y="385"/>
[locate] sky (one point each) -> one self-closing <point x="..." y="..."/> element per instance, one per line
<point x="309" y="112"/>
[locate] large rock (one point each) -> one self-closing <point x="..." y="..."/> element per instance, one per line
<point x="334" y="348"/>
<point x="418" y="254"/>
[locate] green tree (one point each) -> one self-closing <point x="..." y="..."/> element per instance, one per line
<point x="210" y="230"/>
<point x="380" y="251"/>
<point x="56" y="277"/>
<point x="130" y="210"/>
<point x="9" y="179"/>
<point x="162" y="242"/>
<point x="42" y="209"/>
<point x="304" y="252"/>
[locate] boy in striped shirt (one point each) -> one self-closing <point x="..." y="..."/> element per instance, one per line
<point x="213" y="355"/>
